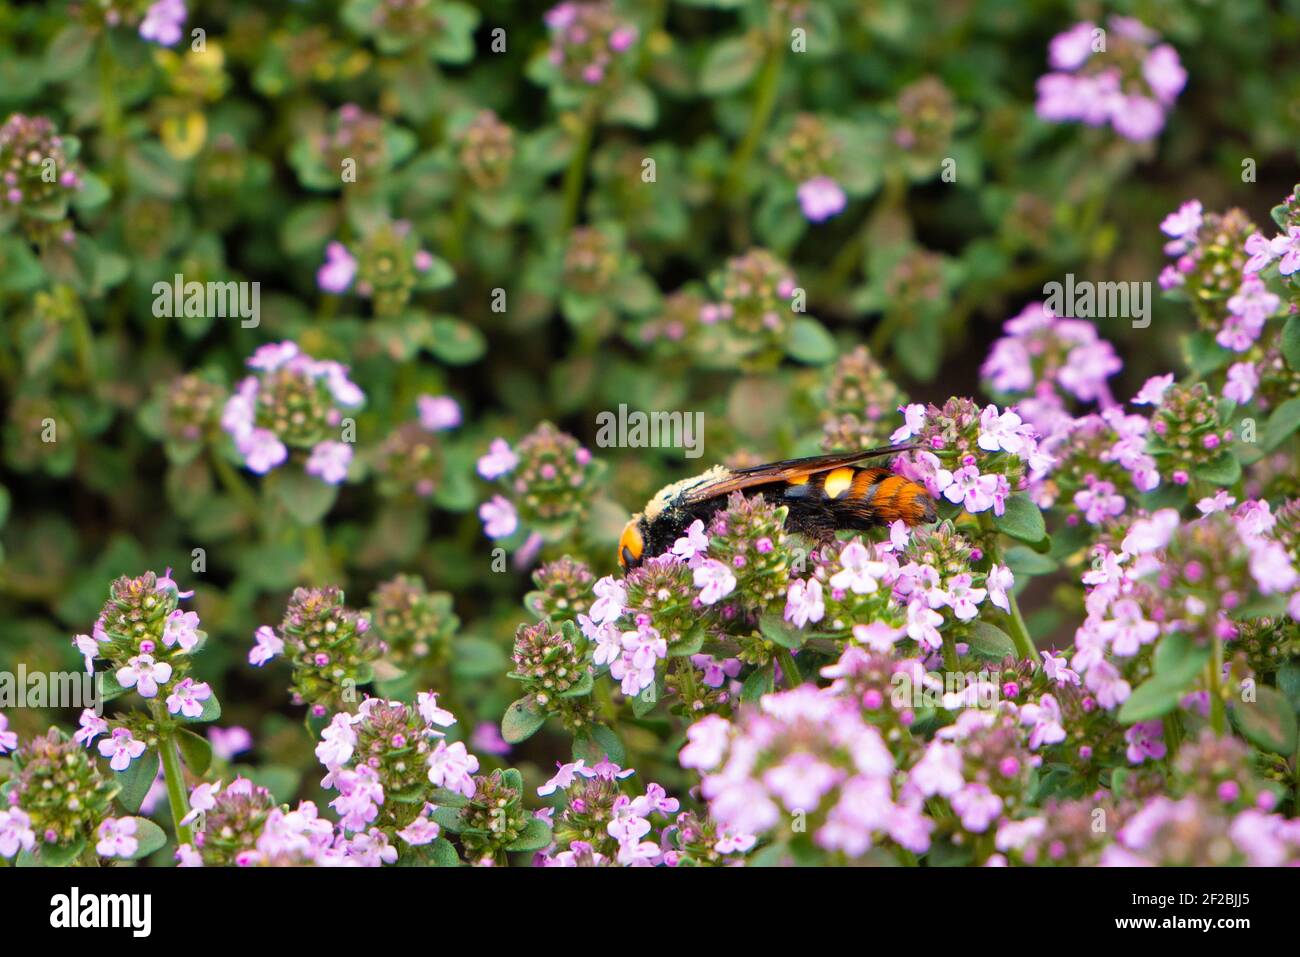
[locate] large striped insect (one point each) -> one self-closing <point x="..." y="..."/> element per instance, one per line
<point x="824" y="493"/>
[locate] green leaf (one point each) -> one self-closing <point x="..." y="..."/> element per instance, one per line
<point x="644" y="702"/>
<point x="53" y="855"/>
<point x="521" y="721"/>
<point x="810" y="342"/>
<point x="1291" y="342"/>
<point x="449" y="819"/>
<point x="68" y="52"/>
<point x="149" y="838"/>
<point x="730" y="65"/>
<point x="1022" y="520"/>
<point x="1288" y="682"/>
<point x="1203" y="354"/>
<point x="759" y="682"/>
<point x="444" y="853"/>
<point x="633" y="105"/>
<point x="1178" y="663"/>
<point x="919" y="347"/>
<point x="989" y="641"/>
<point x="537" y="834"/>
<point x="136" y="780"/>
<point x="600" y="742"/>
<point x="196" y="751"/>
<point x="106" y="686"/>
<point x="1284" y="420"/>
<point x="1223" y="469"/>
<point x="444" y="797"/>
<point x="1268" y="722"/>
<point x="476" y="657"/>
<point x="583" y="687"/>
<point x="777" y="629"/>
<point x="305" y="497"/>
<point x="689" y="644"/>
<point x="454" y="342"/>
<point x="1025" y="562"/>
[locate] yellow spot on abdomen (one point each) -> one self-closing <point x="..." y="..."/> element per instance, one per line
<point x="838" y="481"/>
<point x="798" y="480"/>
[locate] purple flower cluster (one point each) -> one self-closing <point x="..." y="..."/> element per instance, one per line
<point x="1122" y="77"/>
<point x="1043" y="359"/>
<point x="969" y="455"/>
<point x="588" y="40"/>
<point x="293" y="401"/>
<point x="600" y="825"/>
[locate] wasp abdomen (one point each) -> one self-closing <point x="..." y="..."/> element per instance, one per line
<point x="874" y="496"/>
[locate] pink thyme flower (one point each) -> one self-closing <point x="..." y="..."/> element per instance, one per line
<point x="329" y="461"/>
<point x="1128" y="630"/>
<point x="181" y="629"/>
<point x="434" y="715"/>
<point x="338" y="739"/>
<point x="565" y="776"/>
<point x="804" y="602"/>
<point x="121" y="748"/>
<point x="228" y="742"/>
<point x="451" y="766"/>
<point x="715" y="581"/>
<point x="16" y="832"/>
<point x="611" y="600"/>
<point x="91" y="727"/>
<point x="144" y="675"/>
<point x="1145" y="740"/>
<point x="1288" y="247"/>
<point x="117" y="838"/>
<point x="339" y="270"/>
<point x="913" y="422"/>
<point x="1069" y="50"/>
<point x="976" y="806"/>
<point x="9" y="739"/>
<point x="960" y="596"/>
<point x="821" y="198"/>
<point x="877" y="636"/>
<point x="1262" y="251"/>
<point x="499" y="460"/>
<point x="706" y="743"/>
<point x="999" y="581"/>
<point x="692" y="546"/>
<point x="163" y="21"/>
<point x="262" y="451"/>
<point x="1153" y="390"/>
<point x="499" y="517"/>
<point x="859" y="573"/>
<point x="1099" y="500"/>
<point x="187" y="697"/>
<point x="268" y="645"/>
<point x="438" y="412"/>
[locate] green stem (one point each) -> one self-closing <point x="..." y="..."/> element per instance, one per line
<point x="764" y="101"/>
<point x="1019" y="632"/>
<point x="459" y="223"/>
<point x="175" y="778"/>
<point x="686" y="682"/>
<point x="84" y="341"/>
<point x="233" y="484"/>
<point x="318" y="557"/>
<point x="950" y="651"/>
<point x="788" y="667"/>
<point x="576" y="173"/>
<point x="1218" y="716"/>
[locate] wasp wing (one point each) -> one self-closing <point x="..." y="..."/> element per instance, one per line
<point x="789" y="470"/>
